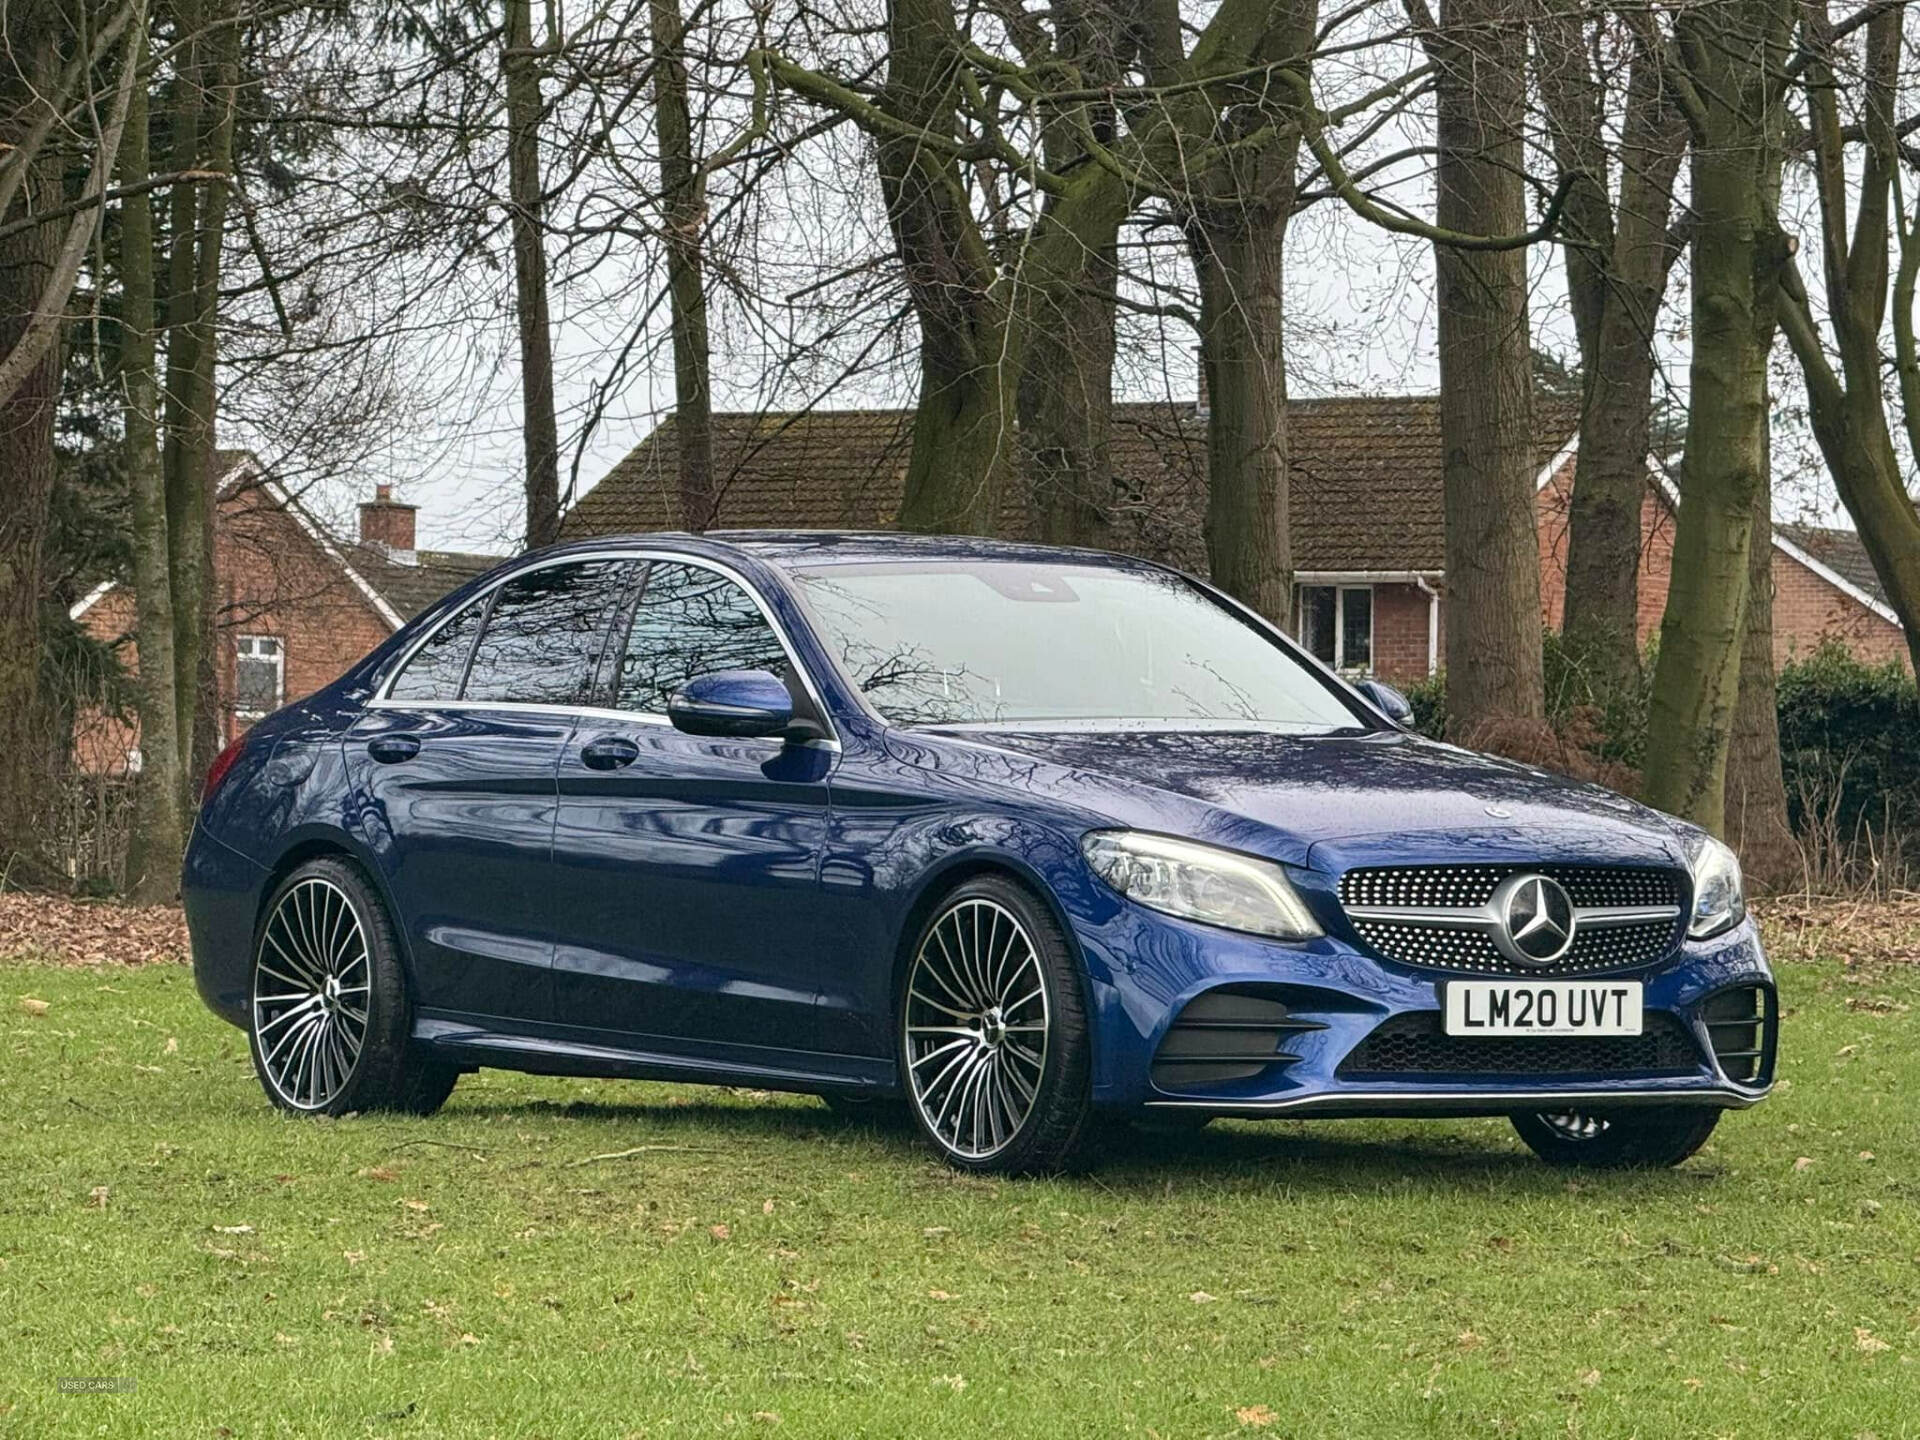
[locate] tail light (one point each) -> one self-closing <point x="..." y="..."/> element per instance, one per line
<point x="217" y="771"/>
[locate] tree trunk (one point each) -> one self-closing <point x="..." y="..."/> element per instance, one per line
<point x="1492" y="611"/>
<point x="1733" y="53"/>
<point x="159" y="814"/>
<point x="1066" y="385"/>
<point x="964" y="447"/>
<point x="27" y="261"/>
<point x="1616" y="268"/>
<point x="193" y="355"/>
<point x="1065" y="402"/>
<point x="540" y="435"/>
<point x="684" y="205"/>
<point x="1757" y="825"/>
<point x="1238" y="256"/>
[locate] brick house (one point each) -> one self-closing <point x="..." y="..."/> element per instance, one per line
<point x="1365" y="514"/>
<point x="295" y="605"/>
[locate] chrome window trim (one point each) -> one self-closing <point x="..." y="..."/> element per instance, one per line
<point x="382" y="701"/>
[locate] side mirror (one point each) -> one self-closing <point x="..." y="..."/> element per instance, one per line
<point x="741" y="704"/>
<point x="1388" y="701"/>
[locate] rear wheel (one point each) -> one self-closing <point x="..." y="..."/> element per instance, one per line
<point x="1641" y="1138"/>
<point x="330" y="1022"/>
<point x="994" y="1049"/>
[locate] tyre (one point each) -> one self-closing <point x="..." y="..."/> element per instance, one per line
<point x="994" y="1050"/>
<point x="1649" y="1138"/>
<point x="329" y="1020"/>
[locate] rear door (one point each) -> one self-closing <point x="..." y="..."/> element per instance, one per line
<point x="686" y="867"/>
<point x="455" y="770"/>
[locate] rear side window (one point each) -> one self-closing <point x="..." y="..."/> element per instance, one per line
<point x="436" y="669"/>
<point x="692" y="621"/>
<point x="545" y="633"/>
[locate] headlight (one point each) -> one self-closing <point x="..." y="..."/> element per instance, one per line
<point x="1198" y="882"/>
<point x="1719" y="898"/>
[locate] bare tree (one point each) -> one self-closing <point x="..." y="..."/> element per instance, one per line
<point x="1848" y="405"/>
<point x="1617" y="255"/>
<point x="1729" y="75"/>
<point x="539" y="428"/>
<point x="1492" y="612"/>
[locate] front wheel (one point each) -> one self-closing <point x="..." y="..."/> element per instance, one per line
<point x="330" y="1021"/>
<point x="1650" y="1138"/>
<point x="994" y="1050"/>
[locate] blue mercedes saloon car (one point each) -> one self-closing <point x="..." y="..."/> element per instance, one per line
<point x="1012" y="840"/>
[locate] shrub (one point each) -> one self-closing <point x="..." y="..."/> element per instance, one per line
<point x="1850" y="747"/>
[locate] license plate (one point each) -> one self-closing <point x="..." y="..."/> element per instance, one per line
<point x="1542" y="1007"/>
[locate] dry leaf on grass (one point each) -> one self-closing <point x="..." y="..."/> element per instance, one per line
<point x="51" y="929"/>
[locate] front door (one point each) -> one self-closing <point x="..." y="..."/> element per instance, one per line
<point x="686" y="867"/>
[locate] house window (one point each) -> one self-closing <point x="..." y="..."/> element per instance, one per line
<point x="1335" y="624"/>
<point x="259" y="676"/>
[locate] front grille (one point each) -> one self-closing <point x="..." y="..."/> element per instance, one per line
<point x="1415" y="1044"/>
<point x="1411" y="940"/>
<point x="1742" y="1024"/>
<point x="1232" y="1033"/>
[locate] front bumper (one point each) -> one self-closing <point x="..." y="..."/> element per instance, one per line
<point x="1333" y="996"/>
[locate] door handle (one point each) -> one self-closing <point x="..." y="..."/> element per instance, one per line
<point x="392" y="749"/>
<point x="609" y="752"/>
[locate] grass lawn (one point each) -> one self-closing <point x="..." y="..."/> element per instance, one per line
<point x="758" y="1267"/>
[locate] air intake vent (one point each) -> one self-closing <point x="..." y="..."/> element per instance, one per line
<point x="1416" y="1045"/>
<point x="1743" y="1024"/>
<point x="1233" y="1033"/>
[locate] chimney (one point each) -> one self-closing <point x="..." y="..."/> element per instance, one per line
<point x="387" y="523"/>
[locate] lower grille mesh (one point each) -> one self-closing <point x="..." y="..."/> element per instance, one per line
<point x="1416" y="1045"/>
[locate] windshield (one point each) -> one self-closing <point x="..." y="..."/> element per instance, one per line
<point x="1001" y="642"/>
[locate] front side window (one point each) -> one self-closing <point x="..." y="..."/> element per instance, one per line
<point x="977" y="642"/>
<point x="259" y="676"/>
<point x="544" y="634"/>
<point x="691" y="621"/>
<point x="433" y="673"/>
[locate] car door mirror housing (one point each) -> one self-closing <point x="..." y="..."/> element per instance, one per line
<point x="1389" y="702"/>
<point x="741" y="704"/>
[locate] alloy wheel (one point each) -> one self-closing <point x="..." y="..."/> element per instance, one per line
<point x="1575" y="1125"/>
<point x="310" y="994"/>
<point x="976" y="1019"/>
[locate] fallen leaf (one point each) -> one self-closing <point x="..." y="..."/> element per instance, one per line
<point x="1257" y="1417"/>
<point x="720" y="1232"/>
<point x="469" y="1338"/>
<point x="412" y="1204"/>
<point x="939" y="1295"/>
<point x="97" y="1197"/>
<point x="1201" y="1297"/>
<point x="766" y="1417"/>
<point x="952" y="1382"/>
<point x="1805" y="1162"/>
<point x="172" y="1046"/>
<point x="1589" y="1378"/>
<point x="1868" y="1343"/>
<point x="33" y="1006"/>
<point x="766" y="1209"/>
<point x="354" y="1257"/>
<point x="382" y="1345"/>
<point x="378" y="1172"/>
<point x="233" y="1229"/>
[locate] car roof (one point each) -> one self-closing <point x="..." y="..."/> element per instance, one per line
<point x="800" y="549"/>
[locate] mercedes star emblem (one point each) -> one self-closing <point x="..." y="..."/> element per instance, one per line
<point x="1534" y="918"/>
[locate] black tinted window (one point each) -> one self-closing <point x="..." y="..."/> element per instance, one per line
<point x="435" y="671"/>
<point x="692" y="622"/>
<point x="545" y="634"/>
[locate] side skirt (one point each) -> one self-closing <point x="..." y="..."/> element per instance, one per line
<point x="471" y="1042"/>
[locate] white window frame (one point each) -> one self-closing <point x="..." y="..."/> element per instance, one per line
<point x="243" y="650"/>
<point x="1340" y="593"/>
